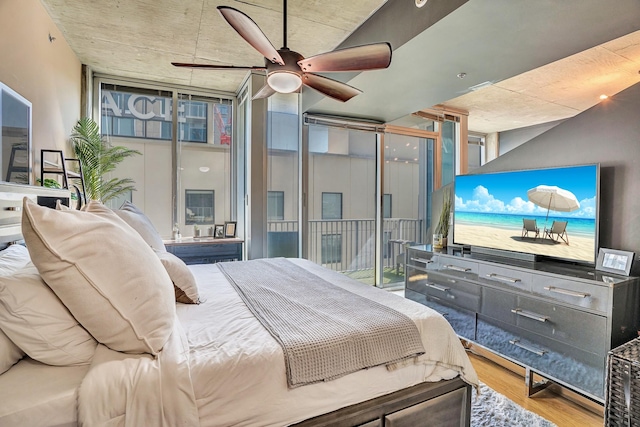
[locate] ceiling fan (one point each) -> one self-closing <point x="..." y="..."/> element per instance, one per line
<point x="287" y="70"/>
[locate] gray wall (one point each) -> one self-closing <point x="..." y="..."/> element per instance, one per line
<point x="513" y="138"/>
<point x="609" y="134"/>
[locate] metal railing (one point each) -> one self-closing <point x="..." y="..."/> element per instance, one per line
<point x="349" y="244"/>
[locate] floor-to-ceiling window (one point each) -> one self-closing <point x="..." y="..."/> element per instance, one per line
<point x="283" y="136"/>
<point x="203" y="191"/>
<point x="182" y="178"/>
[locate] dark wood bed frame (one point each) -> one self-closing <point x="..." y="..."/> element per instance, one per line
<point x="445" y="403"/>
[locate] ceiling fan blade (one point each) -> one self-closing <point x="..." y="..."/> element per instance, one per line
<point x="216" y="67"/>
<point x="250" y="31"/>
<point x="359" y="58"/>
<point x="329" y="87"/>
<point x="265" y="92"/>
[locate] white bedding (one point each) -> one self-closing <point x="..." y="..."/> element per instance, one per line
<point x="237" y="369"/>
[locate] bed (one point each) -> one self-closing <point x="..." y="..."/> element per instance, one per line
<point x="215" y="364"/>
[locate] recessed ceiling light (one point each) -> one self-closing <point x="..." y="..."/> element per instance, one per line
<point x="204" y="169"/>
<point x="603" y="96"/>
<point x="420" y="3"/>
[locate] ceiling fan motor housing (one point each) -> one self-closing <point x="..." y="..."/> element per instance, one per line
<point x="285" y="78"/>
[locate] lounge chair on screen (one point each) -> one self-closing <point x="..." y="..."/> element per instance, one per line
<point x="557" y="232"/>
<point x="530" y="226"/>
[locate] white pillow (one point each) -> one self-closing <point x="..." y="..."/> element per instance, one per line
<point x="35" y="319"/>
<point x="142" y="224"/>
<point x="10" y="353"/>
<point x="107" y="276"/>
<point x="13" y="258"/>
<point x="184" y="283"/>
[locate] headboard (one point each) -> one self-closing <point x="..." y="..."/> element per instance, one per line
<point x="11" y="196"/>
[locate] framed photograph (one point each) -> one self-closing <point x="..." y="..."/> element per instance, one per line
<point x="614" y="261"/>
<point x="230" y="229"/>
<point x="218" y="231"/>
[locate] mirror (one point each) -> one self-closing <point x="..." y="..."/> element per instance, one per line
<point x="15" y="139"/>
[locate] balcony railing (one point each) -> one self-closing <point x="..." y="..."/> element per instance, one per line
<point x="349" y="244"/>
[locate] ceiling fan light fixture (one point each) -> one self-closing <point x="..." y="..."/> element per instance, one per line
<point x="284" y="81"/>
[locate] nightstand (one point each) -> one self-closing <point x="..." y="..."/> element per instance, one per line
<point x="205" y="250"/>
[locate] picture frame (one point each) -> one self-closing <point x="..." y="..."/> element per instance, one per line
<point x="614" y="261"/>
<point x="230" y="229"/>
<point x="218" y="231"/>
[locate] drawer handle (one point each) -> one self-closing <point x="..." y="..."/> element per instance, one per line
<point x="530" y="315"/>
<point x="456" y="268"/>
<point x="13" y="208"/>
<point x="567" y="292"/>
<point x="438" y="287"/>
<point x="503" y="278"/>
<point x="525" y="347"/>
<point x="422" y="260"/>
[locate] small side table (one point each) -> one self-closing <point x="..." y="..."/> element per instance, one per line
<point x="205" y="250"/>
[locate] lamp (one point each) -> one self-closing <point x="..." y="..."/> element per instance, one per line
<point x="284" y="81"/>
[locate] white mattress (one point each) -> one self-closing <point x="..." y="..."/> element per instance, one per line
<point x="238" y="369"/>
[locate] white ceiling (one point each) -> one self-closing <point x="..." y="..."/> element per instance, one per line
<point x="547" y="60"/>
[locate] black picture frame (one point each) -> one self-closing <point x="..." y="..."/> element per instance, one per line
<point x="614" y="261"/>
<point x="218" y="231"/>
<point x="230" y="229"/>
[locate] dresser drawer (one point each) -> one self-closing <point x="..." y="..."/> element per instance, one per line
<point x="578" y="293"/>
<point x="495" y="274"/>
<point x="573" y="327"/>
<point x="458" y="266"/>
<point x="451" y="291"/>
<point x="421" y="259"/>
<point x="571" y="366"/>
<point x="577" y="328"/>
<point x="462" y="321"/>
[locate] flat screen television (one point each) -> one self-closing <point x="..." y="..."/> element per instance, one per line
<point x="551" y="213"/>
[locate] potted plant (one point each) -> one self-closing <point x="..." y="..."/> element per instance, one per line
<point x="442" y="229"/>
<point x="98" y="159"/>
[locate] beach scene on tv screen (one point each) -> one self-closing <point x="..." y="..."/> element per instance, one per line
<point x="549" y="212"/>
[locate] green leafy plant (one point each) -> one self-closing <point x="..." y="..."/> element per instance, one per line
<point x="445" y="215"/>
<point x="98" y="159"/>
<point x="49" y="183"/>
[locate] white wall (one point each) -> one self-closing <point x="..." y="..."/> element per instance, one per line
<point x="47" y="73"/>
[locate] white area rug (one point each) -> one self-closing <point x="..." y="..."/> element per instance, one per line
<point x="491" y="409"/>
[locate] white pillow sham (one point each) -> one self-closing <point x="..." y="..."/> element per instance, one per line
<point x="13" y="258"/>
<point x="10" y="353"/>
<point x="35" y="319"/>
<point x="107" y="276"/>
<point x="184" y="283"/>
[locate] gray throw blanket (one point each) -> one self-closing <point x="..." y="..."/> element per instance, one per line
<point x="324" y="330"/>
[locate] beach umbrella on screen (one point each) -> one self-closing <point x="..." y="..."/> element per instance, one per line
<point x="553" y="199"/>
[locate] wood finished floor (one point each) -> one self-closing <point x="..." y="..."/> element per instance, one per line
<point x="549" y="405"/>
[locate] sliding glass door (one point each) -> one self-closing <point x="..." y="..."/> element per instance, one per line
<point x="407" y="187"/>
<point x="341" y="203"/>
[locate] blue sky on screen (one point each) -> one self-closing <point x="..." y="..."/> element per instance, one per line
<point x="506" y="192"/>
